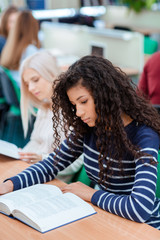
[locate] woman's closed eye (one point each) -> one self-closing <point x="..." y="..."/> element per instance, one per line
<point x="36" y="80"/>
<point x="83" y="102"/>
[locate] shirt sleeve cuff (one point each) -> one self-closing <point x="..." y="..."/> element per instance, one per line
<point x="96" y="196"/>
<point x="16" y="183"/>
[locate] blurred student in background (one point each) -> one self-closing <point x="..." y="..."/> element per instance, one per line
<point x="37" y="75"/>
<point x="7" y="21"/>
<point x="149" y="82"/>
<point x="22" y="42"/>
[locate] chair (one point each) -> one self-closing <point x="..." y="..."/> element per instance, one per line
<point x="82" y="176"/>
<point x="3" y="108"/>
<point x="12" y="130"/>
<point x="150" y="45"/>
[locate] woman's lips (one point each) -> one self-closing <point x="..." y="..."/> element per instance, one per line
<point x="86" y="120"/>
<point x="37" y="93"/>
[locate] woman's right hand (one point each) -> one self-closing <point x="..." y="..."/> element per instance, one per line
<point x="6" y="187"/>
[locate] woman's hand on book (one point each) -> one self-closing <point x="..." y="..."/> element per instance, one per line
<point x="79" y="189"/>
<point x="6" y="187"/>
<point x="30" y="157"/>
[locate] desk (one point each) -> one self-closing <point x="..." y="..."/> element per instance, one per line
<point x="65" y="61"/>
<point x="102" y="225"/>
<point x="146" y="31"/>
<point x="128" y="71"/>
<point x="142" y="30"/>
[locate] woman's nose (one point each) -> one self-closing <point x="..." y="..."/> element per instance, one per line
<point x="79" y="112"/>
<point x="30" y="87"/>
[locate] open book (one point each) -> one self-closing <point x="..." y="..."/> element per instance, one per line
<point x="9" y="149"/>
<point x="44" y="207"/>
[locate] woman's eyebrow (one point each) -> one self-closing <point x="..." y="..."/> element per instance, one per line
<point x="80" y="97"/>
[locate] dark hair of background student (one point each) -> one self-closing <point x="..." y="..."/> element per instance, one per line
<point x="23" y="33"/>
<point x="4" y="25"/>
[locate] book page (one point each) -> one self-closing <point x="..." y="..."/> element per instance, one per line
<point x="27" y="196"/>
<point x="54" y="212"/>
<point x="9" y="149"/>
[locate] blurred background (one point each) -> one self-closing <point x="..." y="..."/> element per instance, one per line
<point x="127" y="32"/>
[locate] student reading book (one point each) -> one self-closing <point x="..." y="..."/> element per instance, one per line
<point x="44" y="207"/>
<point x="117" y="130"/>
<point x="38" y="72"/>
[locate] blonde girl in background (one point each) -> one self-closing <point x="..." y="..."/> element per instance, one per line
<point x="37" y="76"/>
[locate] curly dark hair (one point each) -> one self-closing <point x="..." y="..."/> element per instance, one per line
<point x="114" y="93"/>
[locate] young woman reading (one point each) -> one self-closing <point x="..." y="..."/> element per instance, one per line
<point x="118" y="132"/>
<point x="38" y="72"/>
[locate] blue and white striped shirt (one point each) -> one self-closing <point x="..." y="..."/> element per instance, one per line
<point x="131" y="196"/>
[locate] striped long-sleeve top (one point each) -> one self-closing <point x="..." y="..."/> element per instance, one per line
<point x="131" y="195"/>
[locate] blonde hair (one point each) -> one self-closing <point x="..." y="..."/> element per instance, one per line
<point x="23" y="33"/>
<point x="44" y="63"/>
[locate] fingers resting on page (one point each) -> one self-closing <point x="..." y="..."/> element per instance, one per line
<point x="30" y="157"/>
<point x="81" y="190"/>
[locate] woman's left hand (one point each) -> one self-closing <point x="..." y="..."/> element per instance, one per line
<point x="79" y="189"/>
<point x="30" y="157"/>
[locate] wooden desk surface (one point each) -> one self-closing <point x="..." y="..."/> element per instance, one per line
<point x="102" y="225"/>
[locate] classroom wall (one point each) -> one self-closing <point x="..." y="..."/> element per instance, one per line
<point x="121" y="15"/>
<point x="124" y="49"/>
<point x="56" y="4"/>
<point x="6" y="3"/>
